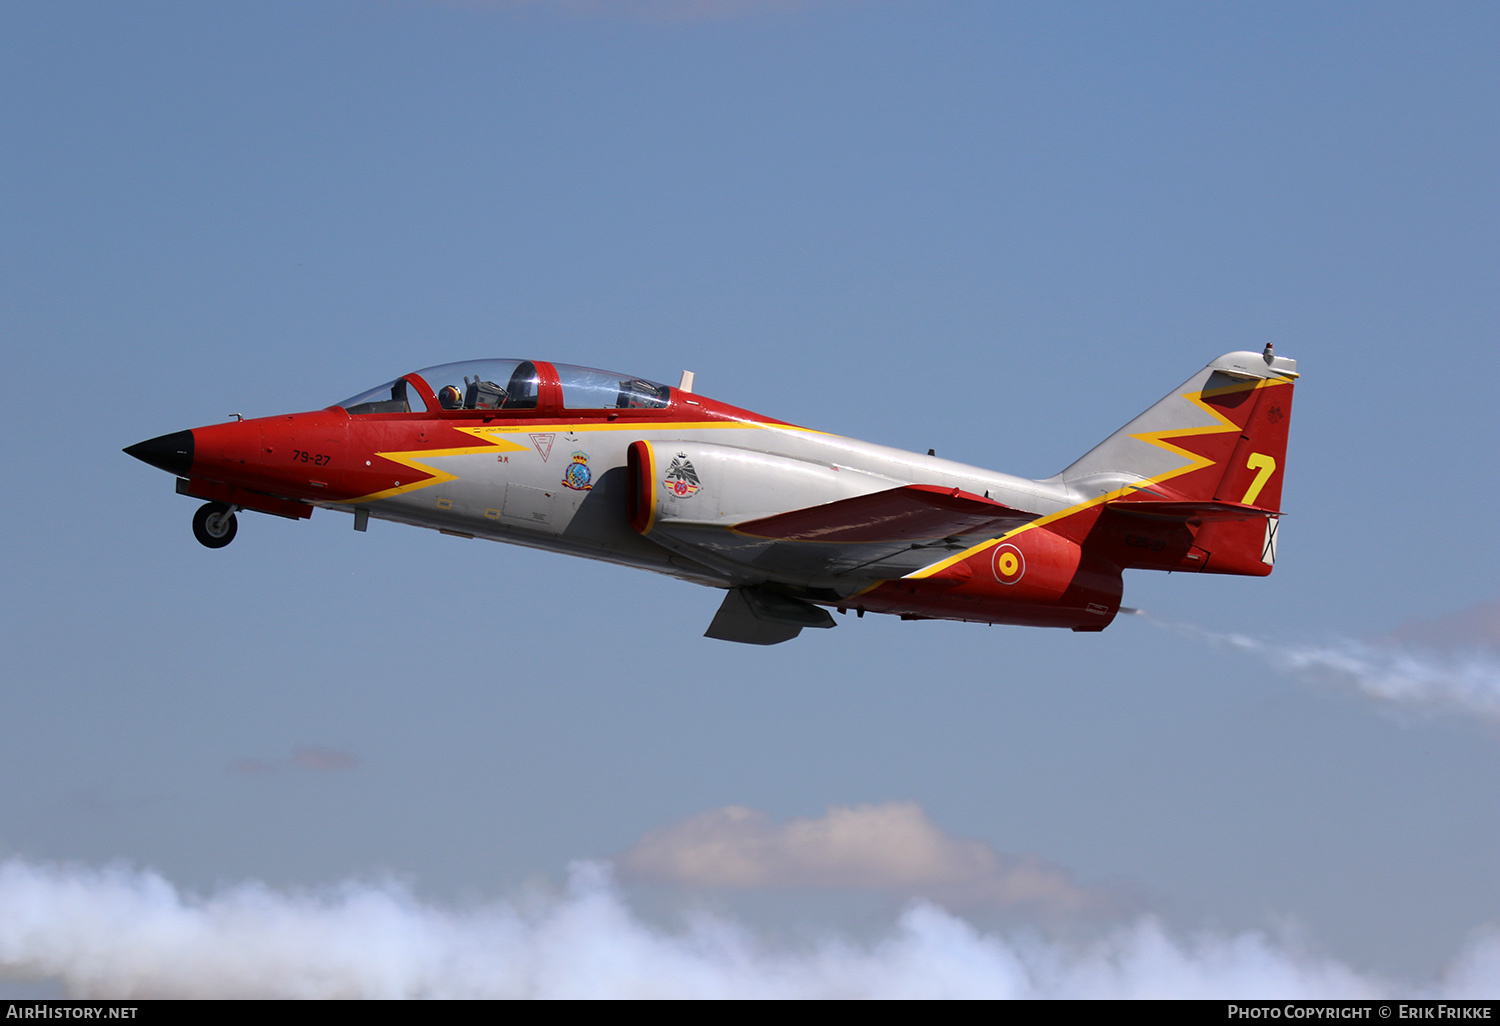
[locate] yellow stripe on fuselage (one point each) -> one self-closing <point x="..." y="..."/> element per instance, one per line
<point x="410" y="459"/>
<point x="492" y="435"/>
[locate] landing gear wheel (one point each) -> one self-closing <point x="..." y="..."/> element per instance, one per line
<point x="214" y="525"/>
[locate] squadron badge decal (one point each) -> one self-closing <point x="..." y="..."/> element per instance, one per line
<point x="682" y="479"/>
<point x="578" y="476"/>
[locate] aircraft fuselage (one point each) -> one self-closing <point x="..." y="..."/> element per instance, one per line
<point x="786" y="518"/>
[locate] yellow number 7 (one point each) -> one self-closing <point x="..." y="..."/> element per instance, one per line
<point x="1264" y="466"/>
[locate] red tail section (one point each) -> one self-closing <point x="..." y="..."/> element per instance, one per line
<point x="1194" y="483"/>
<point x="1222" y="516"/>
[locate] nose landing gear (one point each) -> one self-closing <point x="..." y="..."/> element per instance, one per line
<point x="214" y="524"/>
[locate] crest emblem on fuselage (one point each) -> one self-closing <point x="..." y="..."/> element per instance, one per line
<point x="682" y="479"/>
<point x="578" y="476"/>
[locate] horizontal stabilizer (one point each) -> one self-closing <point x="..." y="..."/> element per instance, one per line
<point x="912" y="513"/>
<point x="1184" y="512"/>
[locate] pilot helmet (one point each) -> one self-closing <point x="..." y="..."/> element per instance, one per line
<point x="451" y="398"/>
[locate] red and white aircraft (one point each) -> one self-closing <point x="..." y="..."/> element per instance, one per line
<point x="785" y="520"/>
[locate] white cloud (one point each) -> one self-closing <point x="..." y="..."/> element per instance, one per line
<point x="893" y="846"/>
<point x="119" y="933"/>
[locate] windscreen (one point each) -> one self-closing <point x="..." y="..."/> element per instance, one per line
<point x="392" y="397"/>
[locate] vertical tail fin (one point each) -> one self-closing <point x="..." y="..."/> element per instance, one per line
<point x="1219" y="437"/>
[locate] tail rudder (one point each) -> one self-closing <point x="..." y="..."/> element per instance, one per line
<point x="1253" y="476"/>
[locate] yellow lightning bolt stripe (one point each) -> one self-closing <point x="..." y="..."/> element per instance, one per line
<point x="492" y="436"/>
<point x="414" y="459"/>
<point x="1156" y="438"/>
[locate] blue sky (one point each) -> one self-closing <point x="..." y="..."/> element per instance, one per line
<point x="997" y="230"/>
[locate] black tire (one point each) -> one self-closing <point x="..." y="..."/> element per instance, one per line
<point x="214" y="525"/>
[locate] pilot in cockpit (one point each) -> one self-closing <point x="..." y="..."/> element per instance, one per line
<point x="450" y="397"/>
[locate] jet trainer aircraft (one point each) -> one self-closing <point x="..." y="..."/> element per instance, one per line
<point x="785" y="520"/>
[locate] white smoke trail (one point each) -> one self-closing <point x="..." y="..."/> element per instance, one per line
<point x="121" y="933"/>
<point x="1462" y="680"/>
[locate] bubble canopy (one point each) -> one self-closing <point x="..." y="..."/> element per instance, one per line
<point x="509" y="385"/>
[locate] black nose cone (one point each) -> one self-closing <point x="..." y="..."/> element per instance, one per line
<point x="172" y="453"/>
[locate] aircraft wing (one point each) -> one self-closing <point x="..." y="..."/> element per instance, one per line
<point x="882" y="534"/>
<point x="909" y="514"/>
